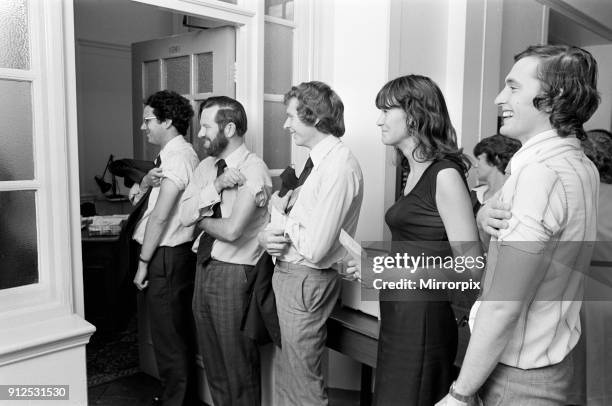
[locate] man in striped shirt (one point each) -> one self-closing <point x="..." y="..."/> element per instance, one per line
<point x="527" y="319"/>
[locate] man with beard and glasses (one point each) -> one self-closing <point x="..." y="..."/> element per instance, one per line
<point x="227" y="198"/>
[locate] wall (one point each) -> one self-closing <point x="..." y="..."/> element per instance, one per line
<point x="603" y="116"/>
<point x="104" y="31"/>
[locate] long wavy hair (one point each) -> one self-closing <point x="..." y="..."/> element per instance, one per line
<point x="427" y="118"/>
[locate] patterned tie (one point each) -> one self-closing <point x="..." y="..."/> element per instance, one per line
<point x="207" y="240"/>
<point x="305" y="172"/>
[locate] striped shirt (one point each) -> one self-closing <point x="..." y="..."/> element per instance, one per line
<point x="552" y="190"/>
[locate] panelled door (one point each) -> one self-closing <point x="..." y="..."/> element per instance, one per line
<point x="196" y="65"/>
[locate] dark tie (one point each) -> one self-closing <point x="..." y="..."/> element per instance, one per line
<point x="305" y="172"/>
<point x="141" y="207"/>
<point x="207" y="240"/>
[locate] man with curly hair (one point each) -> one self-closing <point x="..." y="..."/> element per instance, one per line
<point x="166" y="264"/>
<point x="303" y="236"/>
<point x="526" y="322"/>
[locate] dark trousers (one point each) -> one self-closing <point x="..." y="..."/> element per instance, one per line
<point x="231" y="360"/>
<point x="168" y="297"/>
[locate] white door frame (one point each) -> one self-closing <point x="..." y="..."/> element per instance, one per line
<point x="249" y="20"/>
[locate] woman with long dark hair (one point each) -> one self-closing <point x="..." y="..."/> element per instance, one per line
<point x="418" y="333"/>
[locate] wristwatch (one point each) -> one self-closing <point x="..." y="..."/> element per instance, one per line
<point x="458" y="396"/>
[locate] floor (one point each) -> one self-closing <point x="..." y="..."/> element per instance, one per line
<point x="139" y="390"/>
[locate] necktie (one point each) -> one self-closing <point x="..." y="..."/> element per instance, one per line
<point x="141" y="207"/>
<point x="207" y="240"/>
<point x="305" y="172"/>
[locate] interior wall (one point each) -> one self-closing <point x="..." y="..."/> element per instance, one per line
<point x="104" y="31"/>
<point x="525" y="22"/>
<point x="603" y="116"/>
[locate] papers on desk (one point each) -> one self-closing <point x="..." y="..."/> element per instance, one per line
<point x="106" y="225"/>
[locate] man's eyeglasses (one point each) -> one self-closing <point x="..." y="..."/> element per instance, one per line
<point x="145" y="120"/>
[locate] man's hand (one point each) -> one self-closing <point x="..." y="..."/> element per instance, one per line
<point x="140" y="280"/>
<point x="230" y="178"/>
<point x="273" y="241"/>
<point x="353" y="270"/>
<point x="280" y="203"/>
<point x="450" y="401"/>
<point x="153" y="178"/>
<point x="491" y="218"/>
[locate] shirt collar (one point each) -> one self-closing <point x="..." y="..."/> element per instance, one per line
<point x="322" y="149"/>
<point x="541" y="147"/>
<point x="236" y="157"/>
<point x="172" y="145"/>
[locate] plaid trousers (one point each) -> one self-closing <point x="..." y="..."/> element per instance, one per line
<point x="231" y="360"/>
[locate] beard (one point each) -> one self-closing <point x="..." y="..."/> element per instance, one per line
<point x="217" y="145"/>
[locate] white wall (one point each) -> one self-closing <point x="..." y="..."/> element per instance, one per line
<point x="104" y="30"/>
<point x="603" y="116"/>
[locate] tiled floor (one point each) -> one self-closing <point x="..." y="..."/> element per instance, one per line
<point x="139" y="389"/>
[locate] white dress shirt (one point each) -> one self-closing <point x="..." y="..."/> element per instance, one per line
<point x="178" y="160"/>
<point x="328" y="201"/>
<point x="200" y="197"/>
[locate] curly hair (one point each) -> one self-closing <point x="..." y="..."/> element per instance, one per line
<point x="498" y="150"/>
<point x="598" y="147"/>
<point x="426" y="118"/>
<point x="569" y="86"/>
<point x="169" y="105"/>
<point x="318" y="106"/>
<point x="230" y="111"/>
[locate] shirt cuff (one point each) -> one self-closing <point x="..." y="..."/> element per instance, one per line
<point x="209" y="197"/>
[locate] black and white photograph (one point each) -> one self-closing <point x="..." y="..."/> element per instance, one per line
<point x="306" y="202"/>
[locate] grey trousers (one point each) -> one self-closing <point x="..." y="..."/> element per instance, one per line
<point x="546" y="386"/>
<point x="305" y="298"/>
<point x="231" y="359"/>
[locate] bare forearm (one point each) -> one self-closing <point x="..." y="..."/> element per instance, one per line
<point x="153" y="235"/>
<point x="493" y="328"/>
<point x="222" y="229"/>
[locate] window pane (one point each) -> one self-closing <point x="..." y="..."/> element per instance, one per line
<point x="151" y="80"/>
<point x="15" y="49"/>
<point x="178" y="74"/>
<point x="18" y="248"/>
<point x="16" y="154"/>
<point x="278" y="58"/>
<point x="205" y="72"/>
<point x="280" y="9"/>
<point x="277" y="143"/>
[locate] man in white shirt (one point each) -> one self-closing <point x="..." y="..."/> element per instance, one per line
<point x="303" y="236"/>
<point x="227" y="199"/>
<point x="527" y="319"/>
<point x="166" y="264"/>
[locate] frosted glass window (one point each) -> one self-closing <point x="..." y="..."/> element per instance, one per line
<point x="205" y="72"/>
<point x="277" y="142"/>
<point x="16" y="154"/>
<point x="178" y="73"/>
<point x="18" y="248"/>
<point x="278" y="58"/>
<point x="15" y="49"/>
<point x="151" y="78"/>
<point x="280" y="9"/>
